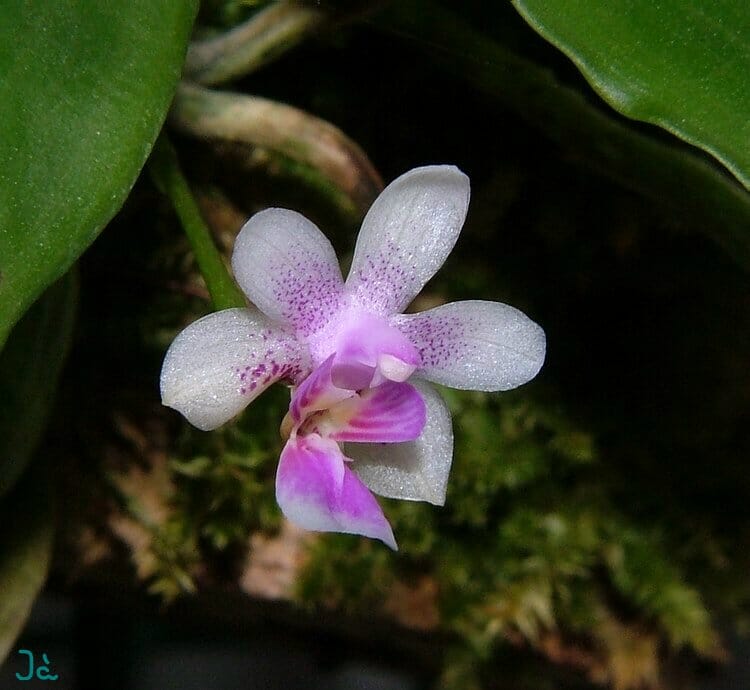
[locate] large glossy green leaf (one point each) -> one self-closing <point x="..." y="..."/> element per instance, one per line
<point x="676" y="176"/>
<point x="26" y="534"/>
<point x="30" y="366"/>
<point x="679" y="64"/>
<point x="84" y="89"/>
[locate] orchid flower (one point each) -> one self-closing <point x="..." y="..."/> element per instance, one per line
<point x="338" y="342"/>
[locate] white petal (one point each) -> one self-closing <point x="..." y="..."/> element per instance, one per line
<point x="407" y="235"/>
<point x="223" y="361"/>
<point x="475" y="345"/>
<point x="288" y="269"/>
<point x="416" y="470"/>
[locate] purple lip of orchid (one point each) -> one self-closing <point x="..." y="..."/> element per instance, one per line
<point x="315" y="486"/>
<point x="350" y="338"/>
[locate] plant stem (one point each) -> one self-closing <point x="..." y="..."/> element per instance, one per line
<point x="255" y="42"/>
<point x="337" y="164"/>
<point x="165" y="171"/>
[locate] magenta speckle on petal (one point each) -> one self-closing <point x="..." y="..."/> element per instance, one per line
<point x="440" y="339"/>
<point x="310" y="292"/>
<point x="382" y="276"/>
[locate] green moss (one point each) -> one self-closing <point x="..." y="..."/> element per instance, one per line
<point x="224" y="480"/>
<point x="528" y="544"/>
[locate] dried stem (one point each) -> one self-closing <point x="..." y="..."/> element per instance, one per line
<point x="257" y="41"/>
<point x="321" y="148"/>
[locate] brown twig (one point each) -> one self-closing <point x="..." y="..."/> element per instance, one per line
<point x="324" y="150"/>
<point x="252" y="44"/>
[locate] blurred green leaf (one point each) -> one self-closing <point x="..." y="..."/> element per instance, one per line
<point x="26" y="533"/>
<point x="679" y="64"/>
<point x="30" y="366"/>
<point x="84" y="92"/>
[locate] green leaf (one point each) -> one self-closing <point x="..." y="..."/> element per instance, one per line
<point x="84" y="91"/>
<point x="674" y="176"/>
<point x="30" y="366"/>
<point x="26" y="535"/>
<point x="679" y="64"/>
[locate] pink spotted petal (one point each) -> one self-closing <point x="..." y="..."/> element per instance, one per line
<point x="223" y="361"/>
<point x="288" y="269"/>
<point x="406" y="236"/>
<point x="475" y="345"/>
<point x="390" y="413"/>
<point x="317" y="392"/>
<point x="316" y="490"/>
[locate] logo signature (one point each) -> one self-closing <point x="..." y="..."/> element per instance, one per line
<point x="42" y="672"/>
